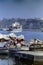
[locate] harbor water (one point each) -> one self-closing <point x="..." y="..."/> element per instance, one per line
<point x="27" y="34"/>
<point x="7" y="60"/>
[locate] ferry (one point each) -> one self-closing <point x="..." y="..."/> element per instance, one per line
<point x="15" y="27"/>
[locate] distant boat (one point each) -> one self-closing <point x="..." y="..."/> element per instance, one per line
<point x="15" y="27"/>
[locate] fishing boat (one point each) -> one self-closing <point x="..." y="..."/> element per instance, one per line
<point x="4" y="41"/>
<point x="36" y="45"/>
<point x="3" y="48"/>
<point x="23" y="46"/>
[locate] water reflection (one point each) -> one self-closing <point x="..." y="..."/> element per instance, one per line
<point x="21" y="61"/>
<point x="6" y="60"/>
<point x="27" y="62"/>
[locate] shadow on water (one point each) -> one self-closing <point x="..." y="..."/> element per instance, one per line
<point x="21" y="61"/>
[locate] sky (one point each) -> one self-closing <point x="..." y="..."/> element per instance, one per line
<point x="21" y="9"/>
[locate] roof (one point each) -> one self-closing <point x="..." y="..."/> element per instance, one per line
<point x="15" y="24"/>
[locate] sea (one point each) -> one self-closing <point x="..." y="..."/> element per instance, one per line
<point x="7" y="60"/>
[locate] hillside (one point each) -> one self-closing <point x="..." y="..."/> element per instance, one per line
<point x="26" y="23"/>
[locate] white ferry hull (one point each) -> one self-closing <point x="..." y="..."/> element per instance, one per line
<point x="16" y="30"/>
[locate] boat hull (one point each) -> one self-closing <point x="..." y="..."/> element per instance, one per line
<point x="3" y="51"/>
<point x="16" y="30"/>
